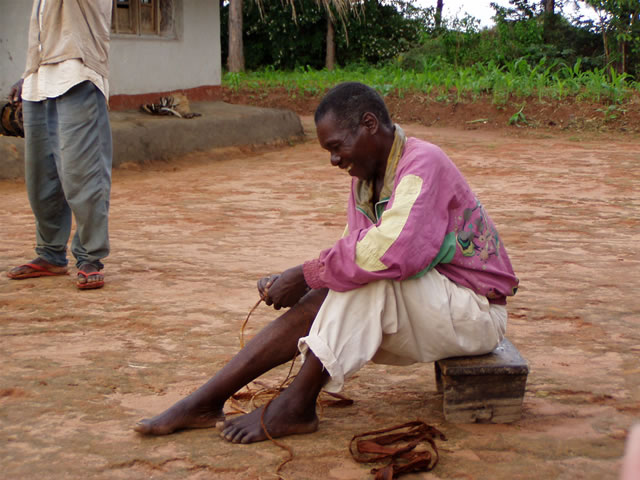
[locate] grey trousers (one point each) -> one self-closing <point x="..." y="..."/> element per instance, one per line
<point x="68" y="155"/>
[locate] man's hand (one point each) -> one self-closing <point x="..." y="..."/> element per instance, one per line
<point x="15" y="94"/>
<point x="264" y="283"/>
<point x="284" y="290"/>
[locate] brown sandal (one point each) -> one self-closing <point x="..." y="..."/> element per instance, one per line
<point x="402" y="458"/>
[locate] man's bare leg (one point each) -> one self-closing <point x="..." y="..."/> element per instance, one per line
<point x="272" y="346"/>
<point x="292" y="412"/>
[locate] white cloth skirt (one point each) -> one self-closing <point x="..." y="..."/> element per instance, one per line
<point x="399" y="323"/>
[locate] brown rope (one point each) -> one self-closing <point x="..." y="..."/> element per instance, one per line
<point x="250" y="395"/>
<point x="264" y="427"/>
<point x="246" y="320"/>
<point x="267" y="391"/>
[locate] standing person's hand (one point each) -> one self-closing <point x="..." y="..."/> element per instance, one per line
<point x="15" y="94"/>
<point x="284" y="290"/>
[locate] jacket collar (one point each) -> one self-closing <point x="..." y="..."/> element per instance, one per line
<point x="364" y="189"/>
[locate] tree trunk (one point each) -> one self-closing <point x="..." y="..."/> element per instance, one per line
<point x="605" y="42"/>
<point x="549" y="20"/>
<point x="438" y="18"/>
<point x="330" y="59"/>
<point x="235" y="61"/>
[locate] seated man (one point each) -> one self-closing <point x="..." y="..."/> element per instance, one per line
<point x="419" y="275"/>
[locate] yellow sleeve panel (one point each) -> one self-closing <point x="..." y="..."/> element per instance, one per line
<point x="346" y="231"/>
<point x="379" y="239"/>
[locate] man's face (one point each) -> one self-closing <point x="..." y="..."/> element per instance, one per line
<point x="350" y="151"/>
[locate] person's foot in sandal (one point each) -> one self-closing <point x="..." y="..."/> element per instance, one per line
<point x="36" y="268"/>
<point x="89" y="277"/>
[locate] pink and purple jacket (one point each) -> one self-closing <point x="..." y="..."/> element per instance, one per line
<point x="427" y="217"/>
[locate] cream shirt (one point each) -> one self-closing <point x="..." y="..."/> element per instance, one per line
<point x="53" y="80"/>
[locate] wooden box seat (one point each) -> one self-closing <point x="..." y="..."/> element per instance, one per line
<point x="485" y="388"/>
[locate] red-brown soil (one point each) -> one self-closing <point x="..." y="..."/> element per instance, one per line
<point x="191" y="237"/>
<point x="479" y="114"/>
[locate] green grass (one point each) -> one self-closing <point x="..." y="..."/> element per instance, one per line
<point x="515" y="80"/>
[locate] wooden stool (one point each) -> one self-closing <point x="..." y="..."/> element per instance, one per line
<point x="485" y="388"/>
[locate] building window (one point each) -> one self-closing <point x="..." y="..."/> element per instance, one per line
<point x="143" y="17"/>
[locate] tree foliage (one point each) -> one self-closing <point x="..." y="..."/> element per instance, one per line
<point x="399" y="32"/>
<point x="619" y="25"/>
<point x="375" y="32"/>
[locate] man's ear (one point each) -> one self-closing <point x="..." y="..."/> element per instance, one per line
<point x="370" y="122"/>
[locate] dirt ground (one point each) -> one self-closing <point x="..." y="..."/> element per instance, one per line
<point x="190" y="238"/>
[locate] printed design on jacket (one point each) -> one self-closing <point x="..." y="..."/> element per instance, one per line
<point x="476" y="235"/>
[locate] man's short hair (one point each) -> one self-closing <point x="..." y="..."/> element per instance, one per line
<point x="349" y="101"/>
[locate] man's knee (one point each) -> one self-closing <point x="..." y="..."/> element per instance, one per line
<point x="313" y="300"/>
<point x="303" y="313"/>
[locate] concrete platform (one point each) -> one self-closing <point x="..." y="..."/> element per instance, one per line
<point x="140" y="138"/>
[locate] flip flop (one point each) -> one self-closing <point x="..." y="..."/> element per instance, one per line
<point x="89" y="285"/>
<point x="38" y="271"/>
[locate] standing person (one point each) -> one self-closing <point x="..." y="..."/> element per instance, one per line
<point x="68" y="150"/>
<point x="419" y="275"/>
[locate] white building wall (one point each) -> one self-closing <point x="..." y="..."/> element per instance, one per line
<point x="146" y="65"/>
<point x="14" y="23"/>
<point x="137" y="64"/>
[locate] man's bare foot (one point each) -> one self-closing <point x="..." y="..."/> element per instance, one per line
<point x="179" y="417"/>
<point x="280" y="420"/>
<point x="36" y="268"/>
<point x="89" y="277"/>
